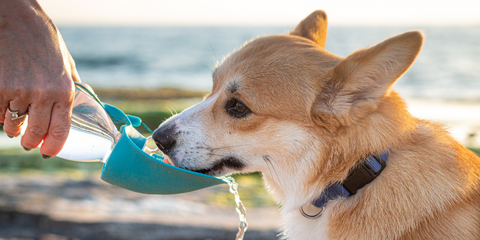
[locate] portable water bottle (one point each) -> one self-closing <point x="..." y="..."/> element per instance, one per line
<point x="128" y="162"/>
<point x="93" y="134"/>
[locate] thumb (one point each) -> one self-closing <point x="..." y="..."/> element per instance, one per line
<point x="68" y="60"/>
<point x="75" y="76"/>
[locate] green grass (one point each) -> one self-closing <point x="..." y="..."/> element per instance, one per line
<point x="152" y="119"/>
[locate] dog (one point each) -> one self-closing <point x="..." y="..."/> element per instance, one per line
<point x="332" y="139"/>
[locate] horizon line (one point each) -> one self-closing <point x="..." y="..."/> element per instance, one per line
<point x="259" y="25"/>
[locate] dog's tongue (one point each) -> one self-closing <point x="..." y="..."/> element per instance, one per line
<point x="167" y="160"/>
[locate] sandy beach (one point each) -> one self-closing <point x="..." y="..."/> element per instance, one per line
<point x="52" y="207"/>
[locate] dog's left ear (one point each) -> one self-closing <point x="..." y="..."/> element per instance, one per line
<point x="314" y="27"/>
<point x="357" y="83"/>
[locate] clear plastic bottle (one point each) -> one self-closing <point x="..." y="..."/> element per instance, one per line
<point x="92" y="134"/>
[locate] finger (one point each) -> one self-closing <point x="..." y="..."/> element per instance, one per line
<point x="58" y="129"/>
<point x="2" y="117"/>
<point x="38" y="122"/>
<point x="3" y="110"/>
<point x="75" y="76"/>
<point x="11" y="125"/>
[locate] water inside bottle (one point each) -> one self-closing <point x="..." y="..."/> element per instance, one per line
<point x="92" y="133"/>
<point x="84" y="146"/>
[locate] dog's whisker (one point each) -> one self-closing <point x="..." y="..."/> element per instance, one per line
<point x="218" y="148"/>
<point x="170" y="110"/>
<point x="205" y="65"/>
<point x="213" y="50"/>
<point x="220" y="155"/>
<point x="268" y="161"/>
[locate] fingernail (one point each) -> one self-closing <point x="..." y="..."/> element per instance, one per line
<point x="45" y="156"/>
<point x="10" y="136"/>
<point x="27" y="149"/>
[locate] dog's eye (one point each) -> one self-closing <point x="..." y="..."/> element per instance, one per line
<point x="236" y="108"/>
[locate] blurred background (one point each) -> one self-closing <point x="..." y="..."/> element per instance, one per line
<point x="154" y="58"/>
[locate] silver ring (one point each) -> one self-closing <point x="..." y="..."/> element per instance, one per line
<point x="15" y="115"/>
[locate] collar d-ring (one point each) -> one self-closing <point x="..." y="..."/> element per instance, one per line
<point x="314" y="216"/>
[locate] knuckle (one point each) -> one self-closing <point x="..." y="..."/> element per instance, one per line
<point x="59" y="132"/>
<point x="61" y="92"/>
<point x="41" y="95"/>
<point x="37" y="132"/>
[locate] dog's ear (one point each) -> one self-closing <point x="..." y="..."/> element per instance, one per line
<point x="314" y="27"/>
<point x="357" y="83"/>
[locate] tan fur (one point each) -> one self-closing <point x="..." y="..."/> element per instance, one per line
<point x="314" y="115"/>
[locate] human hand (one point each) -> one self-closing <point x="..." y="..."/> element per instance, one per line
<point x="36" y="76"/>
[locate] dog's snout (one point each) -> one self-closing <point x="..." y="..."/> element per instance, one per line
<point x="164" y="138"/>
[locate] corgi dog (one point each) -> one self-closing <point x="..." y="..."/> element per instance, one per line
<point x="332" y="139"/>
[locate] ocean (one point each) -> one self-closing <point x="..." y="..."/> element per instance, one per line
<point x="448" y="67"/>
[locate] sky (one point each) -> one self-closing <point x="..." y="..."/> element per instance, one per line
<point x="259" y="12"/>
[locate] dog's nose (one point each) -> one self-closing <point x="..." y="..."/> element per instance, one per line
<point x="164" y="138"/>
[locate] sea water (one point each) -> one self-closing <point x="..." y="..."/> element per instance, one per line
<point x="184" y="57"/>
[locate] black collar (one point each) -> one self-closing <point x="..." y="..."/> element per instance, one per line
<point x="359" y="176"/>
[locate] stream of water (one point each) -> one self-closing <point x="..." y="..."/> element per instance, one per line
<point x="242" y="213"/>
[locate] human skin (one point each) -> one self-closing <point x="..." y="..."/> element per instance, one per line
<point x="36" y="76"/>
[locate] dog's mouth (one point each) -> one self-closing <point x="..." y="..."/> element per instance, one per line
<point x="220" y="165"/>
<point x="216" y="168"/>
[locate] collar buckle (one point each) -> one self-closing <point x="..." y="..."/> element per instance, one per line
<point x="363" y="173"/>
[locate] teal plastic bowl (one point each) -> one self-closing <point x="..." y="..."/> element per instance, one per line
<point x="129" y="167"/>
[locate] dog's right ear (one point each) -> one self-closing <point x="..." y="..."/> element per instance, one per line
<point x="314" y="27"/>
<point x="358" y="83"/>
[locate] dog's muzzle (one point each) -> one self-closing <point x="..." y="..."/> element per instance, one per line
<point x="164" y="138"/>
